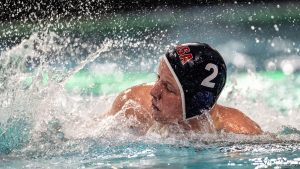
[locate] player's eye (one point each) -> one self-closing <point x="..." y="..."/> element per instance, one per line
<point x="169" y="88"/>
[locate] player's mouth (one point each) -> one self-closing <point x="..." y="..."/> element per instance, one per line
<point x="154" y="107"/>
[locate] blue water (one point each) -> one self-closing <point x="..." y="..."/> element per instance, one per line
<point x="91" y="153"/>
<point x="44" y="123"/>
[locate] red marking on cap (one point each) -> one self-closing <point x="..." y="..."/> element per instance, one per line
<point x="184" y="55"/>
<point x="185" y="58"/>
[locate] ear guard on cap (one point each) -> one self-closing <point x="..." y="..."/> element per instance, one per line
<point x="200" y="73"/>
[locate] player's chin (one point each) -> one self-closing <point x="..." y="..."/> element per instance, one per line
<point x="159" y="115"/>
<point x="161" y="119"/>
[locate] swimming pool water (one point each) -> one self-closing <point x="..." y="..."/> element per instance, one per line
<point x="57" y="82"/>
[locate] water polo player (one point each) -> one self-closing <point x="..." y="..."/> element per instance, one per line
<point x="190" y="79"/>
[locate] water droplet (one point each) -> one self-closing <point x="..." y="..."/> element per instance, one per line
<point x="287" y="67"/>
<point x="257" y="40"/>
<point x="250" y="18"/>
<point x="276" y="27"/>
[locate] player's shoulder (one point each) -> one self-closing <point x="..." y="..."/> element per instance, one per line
<point x="233" y="120"/>
<point x="136" y="92"/>
<point x="228" y="112"/>
<point x="140" y="89"/>
<point x="139" y="93"/>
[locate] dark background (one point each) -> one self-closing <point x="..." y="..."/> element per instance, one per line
<point x="42" y="9"/>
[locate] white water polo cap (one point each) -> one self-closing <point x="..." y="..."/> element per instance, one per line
<point x="200" y="73"/>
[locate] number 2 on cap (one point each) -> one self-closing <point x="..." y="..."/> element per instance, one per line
<point x="207" y="81"/>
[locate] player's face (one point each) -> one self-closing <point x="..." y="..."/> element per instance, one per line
<point x="166" y="100"/>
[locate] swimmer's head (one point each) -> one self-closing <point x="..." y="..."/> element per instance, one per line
<point x="200" y="73"/>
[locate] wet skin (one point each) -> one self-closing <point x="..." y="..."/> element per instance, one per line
<point x="161" y="102"/>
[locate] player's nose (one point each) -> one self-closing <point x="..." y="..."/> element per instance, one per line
<point x="156" y="91"/>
